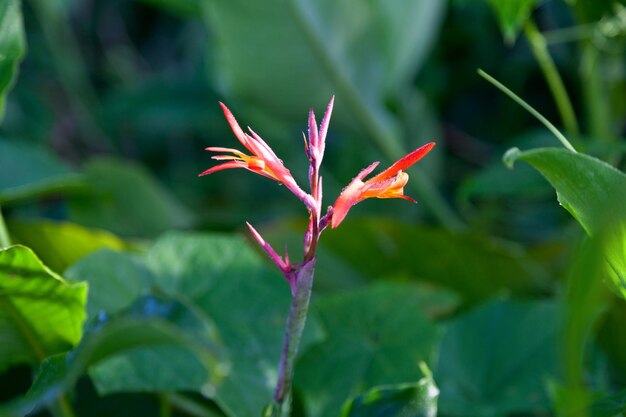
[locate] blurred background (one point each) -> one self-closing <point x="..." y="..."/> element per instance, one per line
<point x="126" y="92"/>
<point x="115" y="101"/>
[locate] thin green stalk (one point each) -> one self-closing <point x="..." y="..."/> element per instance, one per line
<point x="293" y="334"/>
<point x="555" y="83"/>
<point x="5" y="240"/>
<point x="374" y="123"/>
<point x="529" y="109"/>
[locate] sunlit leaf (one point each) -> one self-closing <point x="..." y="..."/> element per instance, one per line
<point x="40" y="313"/>
<point x="376" y="335"/>
<point x="60" y="244"/>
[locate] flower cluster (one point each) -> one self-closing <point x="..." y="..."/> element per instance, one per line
<point x="263" y="161"/>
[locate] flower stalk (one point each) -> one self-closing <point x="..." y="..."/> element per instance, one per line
<point x="263" y="161"/>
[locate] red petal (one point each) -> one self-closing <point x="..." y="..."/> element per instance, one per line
<point x="403" y="163"/>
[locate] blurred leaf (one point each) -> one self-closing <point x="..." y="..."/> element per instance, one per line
<point x="249" y="304"/>
<point x="12" y="47"/>
<point x="59" y="245"/>
<point x="403" y="400"/>
<point x="116" y="280"/>
<point x="512" y="15"/>
<point x="612" y="338"/>
<point x="362" y="51"/>
<point x="494" y="360"/>
<point x="126" y="200"/>
<point x="40" y="313"/>
<point x="28" y="171"/>
<point x="473" y="266"/>
<point x="375" y="335"/>
<point x="612" y="405"/>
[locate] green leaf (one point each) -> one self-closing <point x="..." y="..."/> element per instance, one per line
<point x="402" y="400"/>
<point x="126" y="200"/>
<point x="28" y="171"/>
<point x="325" y="43"/>
<point x="220" y="282"/>
<point x="495" y="360"/>
<point x="585" y="185"/>
<point x="375" y="335"/>
<point x="592" y="191"/>
<point x="60" y="244"/>
<point x="116" y="281"/>
<point x="12" y="47"/>
<point x="40" y="313"/>
<point x="512" y="14"/>
<point x="475" y="266"/>
<point x="249" y="304"/>
<point x="106" y="341"/>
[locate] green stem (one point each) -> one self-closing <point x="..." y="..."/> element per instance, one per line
<point x="529" y="109"/>
<point x="375" y="123"/>
<point x="293" y="334"/>
<point x="555" y="83"/>
<point x="5" y="240"/>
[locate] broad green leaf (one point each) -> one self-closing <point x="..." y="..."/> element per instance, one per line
<point x="593" y="192"/>
<point x="27" y="171"/>
<point x="116" y="281"/>
<point x="40" y="313"/>
<point x="125" y="199"/>
<point x="375" y="335"/>
<point x="219" y="281"/>
<point x="104" y="341"/>
<point x="473" y="266"/>
<point x="304" y="51"/>
<point x="229" y="282"/>
<point x="12" y="47"/>
<point x="512" y="14"/>
<point x="403" y="400"/>
<point x="496" y="359"/>
<point x="60" y="244"/>
<point x="585" y="186"/>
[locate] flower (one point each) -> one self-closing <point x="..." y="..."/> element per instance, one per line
<point x="263" y="160"/>
<point x="388" y="184"/>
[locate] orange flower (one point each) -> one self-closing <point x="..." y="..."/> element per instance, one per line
<point x="263" y="160"/>
<point x="388" y="184"/>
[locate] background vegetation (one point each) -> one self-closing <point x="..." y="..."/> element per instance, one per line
<point x="134" y="289"/>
